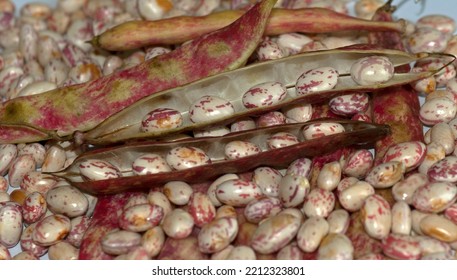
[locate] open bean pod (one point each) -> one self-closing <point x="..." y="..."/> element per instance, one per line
<point x="122" y="157"/>
<point x="231" y="86"/>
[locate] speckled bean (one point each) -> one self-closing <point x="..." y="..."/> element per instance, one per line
<point x="111" y="64"/>
<point x="212" y="132"/>
<point x="329" y="176"/>
<point x="10" y="224"/>
<point x="8" y="77"/>
<point x="430" y="245"/>
<point x="386" y="174"/>
<point x="318" y="130"/>
<point x="434" y="197"/>
<point x="178" y="192"/>
<point x="437" y="110"/>
<point x="210" y="108"/>
<point x="54" y="159"/>
<point x="226" y="211"/>
<point x="410" y="153"/>
<point x="181" y="158"/>
<point x="201" y="209"/>
<point x="35" y="181"/>
<point x="435" y="152"/>
<point x="28" y="245"/>
<point x="318" y="79"/>
<point x="451" y="213"/>
<point x="67" y="200"/>
<point x="159" y="199"/>
<point x="376" y="216"/>
<point x="319" y="203"/>
<point x="264" y="94"/>
<point x="211" y="192"/>
<point x="94" y="169"/>
<point x="401" y="218"/>
<point x="439" y="228"/>
<point x="178" y="224"/>
<point x="281" y="139"/>
<point x="338" y="221"/>
<point x="78" y="228"/>
<point x="19" y="167"/>
<point x="274" y="233"/>
<point x="28" y="42"/>
<point x="271" y="119"/>
<point x="238" y="192"/>
<point x="153" y="241"/>
<point x="51" y="230"/>
<point x="56" y="71"/>
<point x="260" y="209"/>
<point x="441" y="133"/>
<point x="242" y="124"/>
<point x="37" y="150"/>
<point x="353" y="197"/>
<point x="120" y="242"/>
<point x="239" y="149"/>
<point x="63" y="251"/>
<point x="8" y="153"/>
<point x="358" y="163"/>
<point x="299" y="112"/>
<point x="293" y="190"/>
<point x="141" y="217"/>
<point x="349" y="104"/>
<point x="427" y="40"/>
<point x="444" y="170"/>
<point x="311" y="233"/>
<point x="372" y="70"/>
<point x="300" y="167"/>
<point x="290" y="252"/>
<point x="217" y="235"/>
<point x="269" y="50"/>
<point x="34" y="207"/>
<point x="401" y="247"/>
<point x="335" y="246"/>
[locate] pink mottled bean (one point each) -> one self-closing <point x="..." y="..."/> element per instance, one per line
<point x="410" y="153"/>
<point x="54" y="159"/>
<point x="290" y="252"/>
<point x="426" y="40"/>
<point x="210" y="108"/>
<point x="238" y="192"/>
<point x="311" y="233"/>
<point x="178" y="224"/>
<point x="301" y="167"/>
<point x="34" y="207"/>
<point x="10" y="224"/>
<point x="178" y="192"/>
<point x="434" y="197"/>
<point x="441" y="133"/>
<point x="161" y="119"/>
<point x="319" y="203"/>
<point x="56" y="71"/>
<point x="67" y="200"/>
<point x="318" y="130"/>
<point x="238" y="149"/>
<point x="4" y="253"/>
<point x="226" y="211"/>
<point x="329" y="176"/>
<point x="94" y="169"/>
<point x="120" y="242"/>
<point x="430" y="245"/>
<point x="264" y="94"/>
<point x="401" y="218"/>
<point x="274" y="233"/>
<point x="386" y="174"/>
<point x="150" y="164"/>
<point x="271" y="119"/>
<point x="28" y="245"/>
<point x="78" y="228"/>
<point x="222" y="254"/>
<point x="338" y="221"/>
<point x="444" y="170"/>
<point x="51" y="230"/>
<point x="28" y="42"/>
<point x="281" y="139"/>
<point x="435" y="152"/>
<point x="37" y="150"/>
<point x="269" y="50"/>
<point x="19" y="167"/>
<point x="376" y="216"/>
<point x="217" y="235"/>
<point x="372" y="70"/>
<point x="345" y="183"/>
<point x="358" y="163"/>
<point x="211" y="192"/>
<point x="63" y="251"/>
<point x="181" y="158"/>
<point x="451" y="213"/>
<point x="242" y="124"/>
<point x="335" y="246"/>
<point x="319" y="79"/>
<point x="260" y="209"/>
<point x="35" y="181"/>
<point x="8" y="153"/>
<point x="299" y="112"/>
<point x="441" y="23"/>
<point x="437" y="110"/>
<point x="159" y="199"/>
<point x="293" y="190"/>
<point x="201" y="209"/>
<point x="141" y="217"/>
<point x="353" y="197"/>
<point x="212" y="132"/>
<point x="401" y="247"/>
<point x="349" y="104"/>
<point x="153" y="240"/>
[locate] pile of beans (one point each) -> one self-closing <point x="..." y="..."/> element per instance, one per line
<point x="341" y="213"/>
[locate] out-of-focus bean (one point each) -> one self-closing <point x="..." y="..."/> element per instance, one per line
<point x="10" y="224"/>
<point x="84" y="72"/>
<point x="271" y="119"/>
<point x="290" y="252"/>
<point x="8" y="153"/>
<point x="402" y="247"/>
<point x="78" y="228"/>
<point x="120" y="242"/>
<point x="226" y="211"/>
<point x="24" y="255"/>
<point x="56" y="71"/>
<point x="217" y="235"/>
<point x="441" y="23"/>
<point x="37" y="88"/>
<point x="451" y="213"/>
<point x="439" y="228"/>
<point x="401" y="218"/>
<point x="430" y="245"/>
<point x="28" y="42"/>
<point x="63" y="251"/>
<point x="153" y="241"/>
<point x="4" y="196"/>
<point x="178" y="224"/>
<point x="111" y="64"/>
<point x="8" y="77"/>
<point x="427" y="40"/>
<point x="335" y="246"/>
<point x="274" y="233"/>
<point x="241" y="253"/>
<point x="80" y="32"/>
<point x="292" y="43"/>
<point x="36" y="150"/>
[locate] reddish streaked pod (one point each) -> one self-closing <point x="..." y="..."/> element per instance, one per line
<point x="259" y="89"/>
<point x="121" y="157"/>
<point x="83" y="106"/>
<point x="183" y="28"/>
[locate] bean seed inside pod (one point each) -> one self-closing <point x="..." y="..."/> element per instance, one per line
<point x="319" y="79"/>
<point x="150" y="164"/>
<point x="372" y="70"/>
<point x="282" y="139"/>
<point x="161" y="119"/>
<point x="210" y="108"/>
<point x="264" y="94"/>
<point x="95" y="169"/>
<point x="181" y="158"/>
<point x="238" y="149"/>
